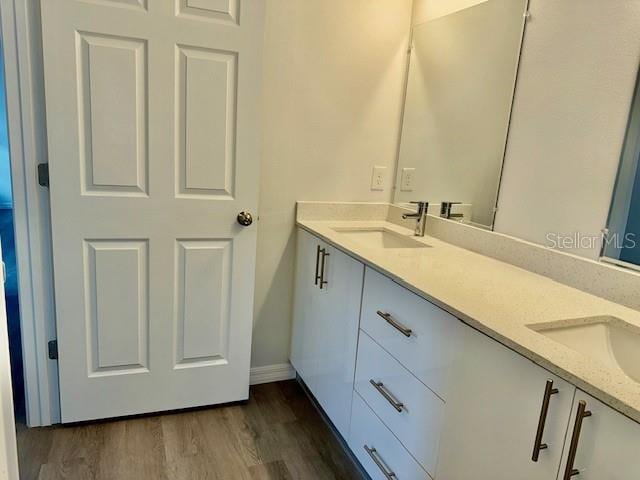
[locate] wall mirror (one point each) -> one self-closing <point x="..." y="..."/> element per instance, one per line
<point x="460" y="87"/>
<point x="622" y="240"/>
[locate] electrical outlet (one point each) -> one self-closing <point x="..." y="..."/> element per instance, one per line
<point x="406" y="182"/>
<point x="378" y="179"/>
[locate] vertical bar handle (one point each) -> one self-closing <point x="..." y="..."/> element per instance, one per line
<point x="544" y="411"/>
<point x="324" y="254"/>
<point x="575" y="439"/>
<point x="386" y="471"/>
<point x="317" y="264"/>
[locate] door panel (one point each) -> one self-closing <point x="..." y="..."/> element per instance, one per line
<point x="203" y="301"/>
<point x="211" y="10"/>
<point x="206" y="120"/>
<point x="118" y="319"/>
<point x="113" y="98"/>
<point x="153" y="130"/>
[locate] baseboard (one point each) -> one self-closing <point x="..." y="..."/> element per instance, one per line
<point x="271" y="373"/>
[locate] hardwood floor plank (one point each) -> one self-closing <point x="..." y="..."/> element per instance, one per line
<point x="276" y="435"/>
<point x="35" y="444"/>
<point x="271" y="471"/>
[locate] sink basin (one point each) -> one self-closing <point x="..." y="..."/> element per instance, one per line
<point x="608" y="340"/>
<point x="380" y="237"/>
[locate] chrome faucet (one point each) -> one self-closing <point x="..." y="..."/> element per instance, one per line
<point x="445" y="210"/>
<point x="420" y="216"/>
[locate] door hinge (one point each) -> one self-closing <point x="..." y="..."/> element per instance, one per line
<point x="43" y="174"/>
<point x="53" y="349"/>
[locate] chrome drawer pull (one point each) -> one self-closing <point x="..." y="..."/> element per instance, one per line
<point x="395" y="324"/>
<point x="575" y="439"/>
<point x="544" y="411"/>
<point x="373" y="453"/>
<point x="379" y="386"/>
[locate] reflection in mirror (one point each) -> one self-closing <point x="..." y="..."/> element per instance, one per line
<point x="458" y="102"/>
<point x="622" y="243"/>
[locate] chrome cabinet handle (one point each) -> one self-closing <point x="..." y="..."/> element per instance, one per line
<point x="406" y="331"/>
<point x="395" y="403"/>
<point x="375" y="456"/>
<point x="324" y="254"/>
<point x="317" y="264"/>
<point x="544" y="411"/>
<point x="575" y="439"/>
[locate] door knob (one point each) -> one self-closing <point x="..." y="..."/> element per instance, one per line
<point x="245" y="219"/>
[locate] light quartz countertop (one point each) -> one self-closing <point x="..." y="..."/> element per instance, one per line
<point x="499" y="300"/>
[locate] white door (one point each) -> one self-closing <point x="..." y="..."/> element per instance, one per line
<point x="494" y="413"/>
<point x="153" y="129"/>
<point x="606" y="446"/>
<point x="8" y="448"/>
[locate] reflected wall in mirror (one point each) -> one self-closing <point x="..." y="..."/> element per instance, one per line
<point x="622" y="242"/>
<point x="459" y="93"/>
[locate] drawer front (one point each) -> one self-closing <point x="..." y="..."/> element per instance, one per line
<point x="368" y="431"/>
<point x="431" y="347"/>
<point x="408" y="408"/>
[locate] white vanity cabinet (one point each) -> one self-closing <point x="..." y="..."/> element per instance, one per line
<point x="607" y="447"/>
<point x="494" y="413"/>
<point x="428" y="397"/>
<point x="328" y="289"/>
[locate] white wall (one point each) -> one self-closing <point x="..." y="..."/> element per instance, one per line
<point x="333" y="81"/>
<point x="425" y="10"/>
<point x="576" y="80"/>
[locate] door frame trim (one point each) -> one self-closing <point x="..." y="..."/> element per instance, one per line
<point x="21" y="39"/>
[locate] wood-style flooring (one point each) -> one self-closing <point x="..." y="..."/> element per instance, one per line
<point x="277" y="434"/>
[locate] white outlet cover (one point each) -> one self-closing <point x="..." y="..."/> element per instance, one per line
<point x="407" y="180"/>
<point x="379" y="178"/>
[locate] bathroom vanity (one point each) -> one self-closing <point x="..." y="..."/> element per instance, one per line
<point x="432" y="361"/>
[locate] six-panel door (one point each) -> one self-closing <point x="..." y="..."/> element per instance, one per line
<point x="153" y="130"/>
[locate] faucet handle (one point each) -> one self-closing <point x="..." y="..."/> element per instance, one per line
<point x="422" y="205"/>
<point x="445" y="208"/>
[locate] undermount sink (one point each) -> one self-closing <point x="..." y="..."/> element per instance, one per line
<point x="380" y="237"/>
<point x="608" y="340"/>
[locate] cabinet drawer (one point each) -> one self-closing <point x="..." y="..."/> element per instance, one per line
<point x="417" y="423"/>
<point x="368" y="431"/>
<point x="430" y="349"/>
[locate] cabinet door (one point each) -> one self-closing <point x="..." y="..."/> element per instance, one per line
<point x="326" y="327"/>
<point x="493" y="414"/>
<point x="607" y="446"/>
<point x="305" y="302"/>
